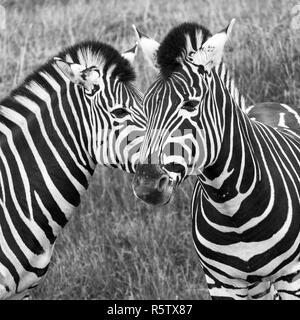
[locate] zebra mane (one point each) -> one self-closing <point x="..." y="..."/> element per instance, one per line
<point x="87" y="53"/>
<point x="229" y="83"/>
<point x="178" y="43"/>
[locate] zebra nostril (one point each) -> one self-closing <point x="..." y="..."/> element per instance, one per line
<point x="163" y="183"/>
<point x="174" y="167"/>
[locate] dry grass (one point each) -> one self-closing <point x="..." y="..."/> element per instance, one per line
<point x="116" y="247"/>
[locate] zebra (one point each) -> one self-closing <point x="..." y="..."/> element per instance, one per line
<point x="79" y="109"/>
<point x="277" y="115"/>
<point x="272" y="113"/>
<point x="245" y="204"/>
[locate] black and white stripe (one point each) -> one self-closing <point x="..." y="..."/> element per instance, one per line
<point x="53" y="133"/>
<point x="245" y="205"/>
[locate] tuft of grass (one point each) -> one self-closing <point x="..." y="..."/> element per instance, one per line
<point x="116" y="247"/>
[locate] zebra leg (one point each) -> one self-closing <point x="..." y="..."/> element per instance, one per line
<point x="24" y="295"/>
<point x="238" y="289"/>
<point x="262" y="290"/>
<point x="222" y="291"/>
<point x="288" y="286"/>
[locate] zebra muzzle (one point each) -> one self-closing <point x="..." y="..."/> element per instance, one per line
<point x="152" y="185"/>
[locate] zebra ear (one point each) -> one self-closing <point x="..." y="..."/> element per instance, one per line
<point x="149" y="47"/>
<point x="79" y="74"/>
<point x="131" y="53"/>
<point x="211" y="52"/>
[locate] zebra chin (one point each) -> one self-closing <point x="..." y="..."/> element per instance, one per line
<point x="152" y="185"/>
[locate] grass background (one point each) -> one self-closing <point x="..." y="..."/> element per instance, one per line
<point x="116" y="247"/>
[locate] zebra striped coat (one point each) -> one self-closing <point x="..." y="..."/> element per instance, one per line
<point x="245" y="205"/>
<point x="78" y="110"/>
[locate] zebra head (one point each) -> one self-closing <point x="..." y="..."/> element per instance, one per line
<point x="113" y="105"/>
<point x="178" y="142"/>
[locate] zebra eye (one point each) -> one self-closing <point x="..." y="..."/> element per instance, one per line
<point x="120" y="113"/>
<point x="190" y="105"/>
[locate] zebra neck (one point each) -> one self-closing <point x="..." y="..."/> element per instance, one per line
<point x="229" y="83"/>
<point x="44" y="146"/>
<point x="233" y="172"/>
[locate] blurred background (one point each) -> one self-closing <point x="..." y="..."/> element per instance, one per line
<point x="116" y="247"/>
